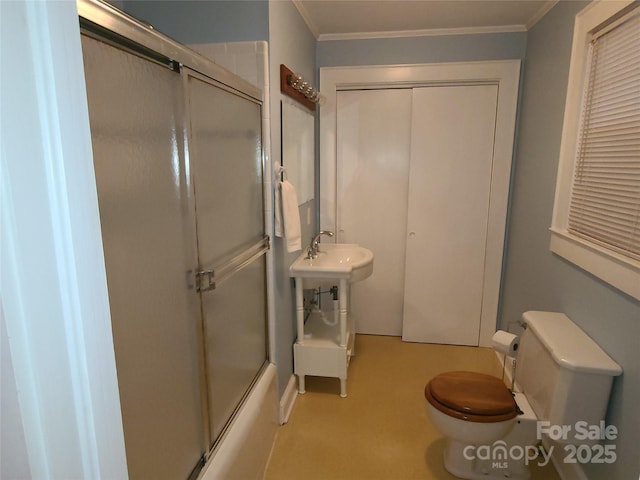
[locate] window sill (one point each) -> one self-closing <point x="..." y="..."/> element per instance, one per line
<point x="618" y="271"/>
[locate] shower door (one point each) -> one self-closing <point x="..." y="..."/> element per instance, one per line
<point x="135" y="111"/>
<point x="225" y="151"/>
<point x="178" y="162"/>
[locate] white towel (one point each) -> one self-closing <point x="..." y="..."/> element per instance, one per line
<point x="279" y="227"/>
<point x="288" y="216"/>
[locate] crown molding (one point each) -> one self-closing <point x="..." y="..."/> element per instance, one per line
<point x="307" y="18"/>
<point x="541" y="13"/>
<point x="422" y="33"/>
<point x="313" y="28"/>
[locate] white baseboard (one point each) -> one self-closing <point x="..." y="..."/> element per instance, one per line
<point x="288" y="400"/>
<point x="507" y="367"/>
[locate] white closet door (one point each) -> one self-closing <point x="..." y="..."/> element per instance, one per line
<point x="373" y="145"/>
<point x="449" y="189"/>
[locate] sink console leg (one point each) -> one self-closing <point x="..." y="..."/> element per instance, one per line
<point x="301" y="388"/>
<point x="300" y="309"/>
<point x="343" y="312"/>
<point x="343" y="387"/>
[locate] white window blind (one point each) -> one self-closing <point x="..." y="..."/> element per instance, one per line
<point x="605" y="198"/>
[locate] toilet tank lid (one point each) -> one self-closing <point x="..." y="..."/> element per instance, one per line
<point x="569" y="346"/>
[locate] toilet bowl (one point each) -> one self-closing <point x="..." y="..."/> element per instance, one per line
<point x="473" y="409"/>
<point x="490" y="432"/>
<point x="470" y="407"/>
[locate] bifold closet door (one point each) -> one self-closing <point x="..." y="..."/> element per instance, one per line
<point x="373" y="146"/>
<point x="226" y="157"/>
<point x="135" y="116"/>
<point x="452" y="137"/>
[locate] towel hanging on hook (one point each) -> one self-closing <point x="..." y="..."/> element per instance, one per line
<point x="287" y="215"/>
<point x="279" y="173"/>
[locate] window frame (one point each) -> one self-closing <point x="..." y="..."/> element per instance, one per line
<point x="618" y="270"/>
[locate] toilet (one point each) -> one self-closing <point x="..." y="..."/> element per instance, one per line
<point x="492" y="433"/>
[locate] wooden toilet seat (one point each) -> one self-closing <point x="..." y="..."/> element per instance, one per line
<point x="471" y="396"/>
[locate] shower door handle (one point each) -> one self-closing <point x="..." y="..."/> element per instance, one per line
<point x="205" y="281"/>
<point x="208" y="279"/>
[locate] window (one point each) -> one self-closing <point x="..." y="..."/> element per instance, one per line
<point x="596" y="222"/>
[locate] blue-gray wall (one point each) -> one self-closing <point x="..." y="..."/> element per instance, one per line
<point x="428" y="49"/>
<point x="292" y="44"/>
<point x="204" y="21"/>
<point x="536" y="279"/>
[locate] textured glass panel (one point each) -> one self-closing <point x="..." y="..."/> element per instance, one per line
<point x="136" y="134"/>
<point x="226" y="155"/>
<point x="225" y="149"/>
<point x="235" y="339"/>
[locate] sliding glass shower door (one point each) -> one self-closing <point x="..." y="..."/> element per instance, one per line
<point x="136" y="128"/>
<point x="179" y="166"/>
<point x="225" y="150"/>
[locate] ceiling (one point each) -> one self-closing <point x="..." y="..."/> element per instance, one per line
<point x="345" y="19"/>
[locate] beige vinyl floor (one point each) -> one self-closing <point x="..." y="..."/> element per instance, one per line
<point x="380" y="431"/>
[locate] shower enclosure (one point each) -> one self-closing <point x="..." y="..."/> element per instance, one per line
<point x="178" y="159"/>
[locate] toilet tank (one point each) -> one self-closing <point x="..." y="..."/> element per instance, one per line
<point x="564" y="374"/>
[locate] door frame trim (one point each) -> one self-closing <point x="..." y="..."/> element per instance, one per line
<point x="505" y="74"/>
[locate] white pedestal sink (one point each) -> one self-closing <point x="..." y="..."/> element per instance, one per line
<point x="335" y="261"/>
<point x="322" y="348"/>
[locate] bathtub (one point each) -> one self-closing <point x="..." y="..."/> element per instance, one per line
<point x="243" y="451"/>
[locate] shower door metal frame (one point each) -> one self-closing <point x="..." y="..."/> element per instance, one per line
<point x="125" y="30"/>
<point x="106" y="23"/>
<point x="214" y="275"/>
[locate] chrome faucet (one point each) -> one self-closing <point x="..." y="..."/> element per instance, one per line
<point x="312" y="249"/>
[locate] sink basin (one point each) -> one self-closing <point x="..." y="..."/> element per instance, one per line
<point x="335" y="261"/>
